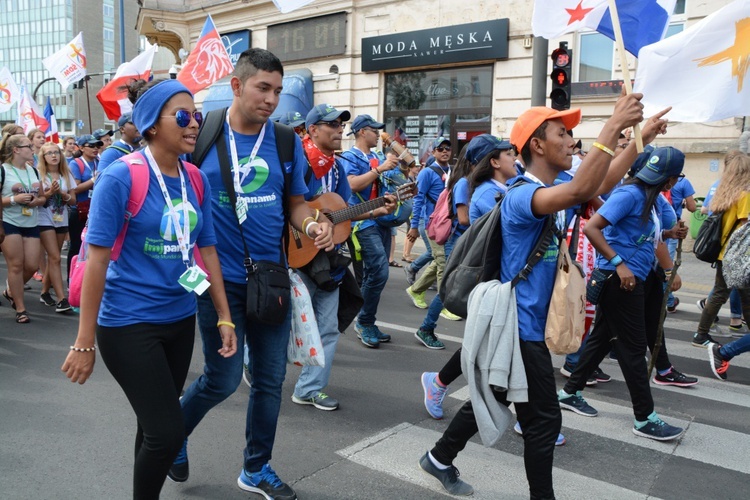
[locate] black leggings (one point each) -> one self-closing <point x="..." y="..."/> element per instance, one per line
<point x="451" y="370"/>
<point x="151" y="362"/>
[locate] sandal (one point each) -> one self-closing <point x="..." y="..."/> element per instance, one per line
<point x="408" y="260"/>
<point x="22" y="317"/>
<point x="393" y="263"/>
<point x="9" y="298"/>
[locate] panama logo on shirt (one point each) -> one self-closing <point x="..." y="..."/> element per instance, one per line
<point x="167" y="247"/>
<point x="253" y="176"/>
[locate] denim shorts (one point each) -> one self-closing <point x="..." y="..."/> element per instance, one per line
<point x="58" y="230"/>
<point x="25" y="232"/>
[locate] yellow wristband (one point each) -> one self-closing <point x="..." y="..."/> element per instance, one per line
<point x="604" y="148"/>
<point x="305" y="223"/>
<point x="225" y="323"/>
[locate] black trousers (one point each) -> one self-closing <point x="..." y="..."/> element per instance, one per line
<point x="632" y="318"/>
<point x="540" y="420"/>
<point x="151" y="362"/>
<point x="452" y="369"/>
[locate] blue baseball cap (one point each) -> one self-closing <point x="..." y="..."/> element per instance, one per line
<point x="363" y="121"/>
<point x="641" y="160"/>
<point x="293" y="118"/>
<point x="661" y="165"/>
<point x="125" y="119"/>
<point x="440" y="140"/>
<point x="90" y="140"/>
<point x="325" y="113"/>
<point x="100" y="132"/>
<point x="482" y="145"/>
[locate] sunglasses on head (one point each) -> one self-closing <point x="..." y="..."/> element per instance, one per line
<point x="442" y="149"/>
<point x="184" y="116"/>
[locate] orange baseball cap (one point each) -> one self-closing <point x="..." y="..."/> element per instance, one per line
<point x="530" y="120"/>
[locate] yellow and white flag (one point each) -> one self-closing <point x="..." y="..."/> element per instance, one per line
<point x="703" y="71"/>
<point x="68" y="65"/>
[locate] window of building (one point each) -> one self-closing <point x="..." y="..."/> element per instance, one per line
<point x="108" y="34"/>
<point x="108" y="10"/>
<point x="109" y="59"/>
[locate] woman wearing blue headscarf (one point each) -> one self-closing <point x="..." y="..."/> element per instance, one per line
<point x="142" y="306"/>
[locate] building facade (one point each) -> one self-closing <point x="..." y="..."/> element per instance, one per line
<point x="31" y="30"/>
<point x="451" y="69"/>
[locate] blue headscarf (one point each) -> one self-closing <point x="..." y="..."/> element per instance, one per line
<point x="147" y="108"/>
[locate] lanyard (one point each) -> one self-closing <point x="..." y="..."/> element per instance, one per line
<point x="560" y="214"/>
<point x="181" y="231"/>
<point x="93" y="169"/>
<point x="28" y="176"/>
<point x="235" y="160"/>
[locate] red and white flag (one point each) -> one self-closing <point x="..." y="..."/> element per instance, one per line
<point x="29" y="114"/>
<point x="114" y="96"/>
<point x="208" y="62"/>
<point x="68" y="65"/>
<point x="9" y="92"/>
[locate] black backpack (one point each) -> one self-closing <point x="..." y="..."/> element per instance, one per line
<point x="708" y="243"/>
<point x="477" y="254"/>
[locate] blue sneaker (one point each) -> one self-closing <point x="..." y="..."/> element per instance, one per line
<point x="266" y="483"/>
<point x="575" y="403"/>
<point x="656" y="428"/>
<point x="180" y="469"/>
<point x="434" y="394"/>
<point x="560" y="438"/>
<point x="368" y="334"/>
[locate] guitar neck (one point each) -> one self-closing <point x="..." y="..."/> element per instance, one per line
<point x="348" y="213"/>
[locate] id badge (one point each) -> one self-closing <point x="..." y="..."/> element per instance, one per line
<point x="194" y="280"/>
<point x="57" y="218"/>
<point x="26" y="211"/>
<point x="91" y="193"/>
<point x="241" y="209"/>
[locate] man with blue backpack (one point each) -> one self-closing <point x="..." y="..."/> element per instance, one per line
<point x="368" y="172"/>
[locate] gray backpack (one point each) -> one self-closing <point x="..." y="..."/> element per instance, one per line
<point x="736" y="263"/>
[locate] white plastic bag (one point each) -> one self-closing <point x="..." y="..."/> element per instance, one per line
<point x="305" y="347"/>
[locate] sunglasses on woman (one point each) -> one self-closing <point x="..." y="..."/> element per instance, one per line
<point x="184" y="116"/>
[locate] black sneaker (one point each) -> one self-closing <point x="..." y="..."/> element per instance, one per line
<point x="62" y="306"/>
<point x="47" y="299"/>
<point x="719" y="365"/>
<point x="266" y="483"/>
<point x="702" y="339"/>
<point x="429" y="339"/>
<point x="180" y="469"/>
<point x="447" y="477"/>
<point x="567" y="370"/>
<point x="673" y="308"/>
<point x="658" y="429"/>
<point x="675" y="378"/>
<point x="321" y="401"/>
<point x="576" y="403"/>
<point x="600" y="376"/>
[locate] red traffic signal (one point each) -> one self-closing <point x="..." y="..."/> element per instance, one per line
<point x="560" y="77"/>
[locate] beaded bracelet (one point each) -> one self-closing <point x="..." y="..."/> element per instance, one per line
<point x="225" y="323"/>
<point x="604" y="148"/>
<point x="83" y="349"/>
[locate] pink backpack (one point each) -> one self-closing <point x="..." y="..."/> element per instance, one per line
<point x="440" y="225"/>
<point x="139" y="181"/>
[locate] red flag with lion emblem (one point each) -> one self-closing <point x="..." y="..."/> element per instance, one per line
<point x="208" y="62"/>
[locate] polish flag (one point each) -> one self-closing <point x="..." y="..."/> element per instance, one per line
<point x="49" y="115"/>
<point x="208" y="62"/>
<point x="114" y="96"/>
<point x="29" y="114"/>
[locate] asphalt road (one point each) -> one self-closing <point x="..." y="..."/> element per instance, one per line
<point x="64" y="441"/>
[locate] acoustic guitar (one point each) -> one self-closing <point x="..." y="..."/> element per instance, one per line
<point x="302" y="249"/>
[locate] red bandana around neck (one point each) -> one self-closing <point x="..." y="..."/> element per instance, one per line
<point x="319" y="162"/>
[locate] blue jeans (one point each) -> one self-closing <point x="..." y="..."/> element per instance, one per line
<point x="572" y="359"/>
<point x="314" y="379"/>
<point x="735" y="303"/>
<point x="375" y="243"/>
<point x="426" y="257"/>
<point x="221" y="376"/>
<point x="433" y="312"/>
<point x="739" y="346"/>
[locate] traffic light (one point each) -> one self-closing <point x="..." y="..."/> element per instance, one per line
<point x="560" y="76"/>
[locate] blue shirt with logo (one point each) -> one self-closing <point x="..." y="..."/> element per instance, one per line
<point x="263" y="188"/>
<point x="114" y="152"/>
<point x="521" y="230"/>
<point x="483" y="199"/>
<point x="141" y="286"/>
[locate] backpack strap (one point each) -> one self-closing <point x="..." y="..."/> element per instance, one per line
<point x="139" y="180"/>
<point x="540" y="248"/>
<point x="118" y="148"/>
<point x="2" y="177"/>
<point x="285" y="147"/>
<point x="81" y="168"/>
<point x="211" y="128"/>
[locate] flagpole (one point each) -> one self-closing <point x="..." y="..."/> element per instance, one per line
<point x="88" y="104"/>
<point x="624" y="64"/>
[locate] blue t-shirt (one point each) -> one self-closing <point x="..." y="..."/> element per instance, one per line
<point x="141" y="286"/>
<point x="627" y="234"/>
<point x="521" y="230"/>
<point x="263" y="188"/>
<point x="460" y="197"/>
<point x="710" y="194"/>
<point x="429" y="187"/>
<point x="83" y="171"/>
<point x="357" y="162"/>
<point x="112" y="153"/>
<point x="483" y="199"/>
<point x="681" y="190"/>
